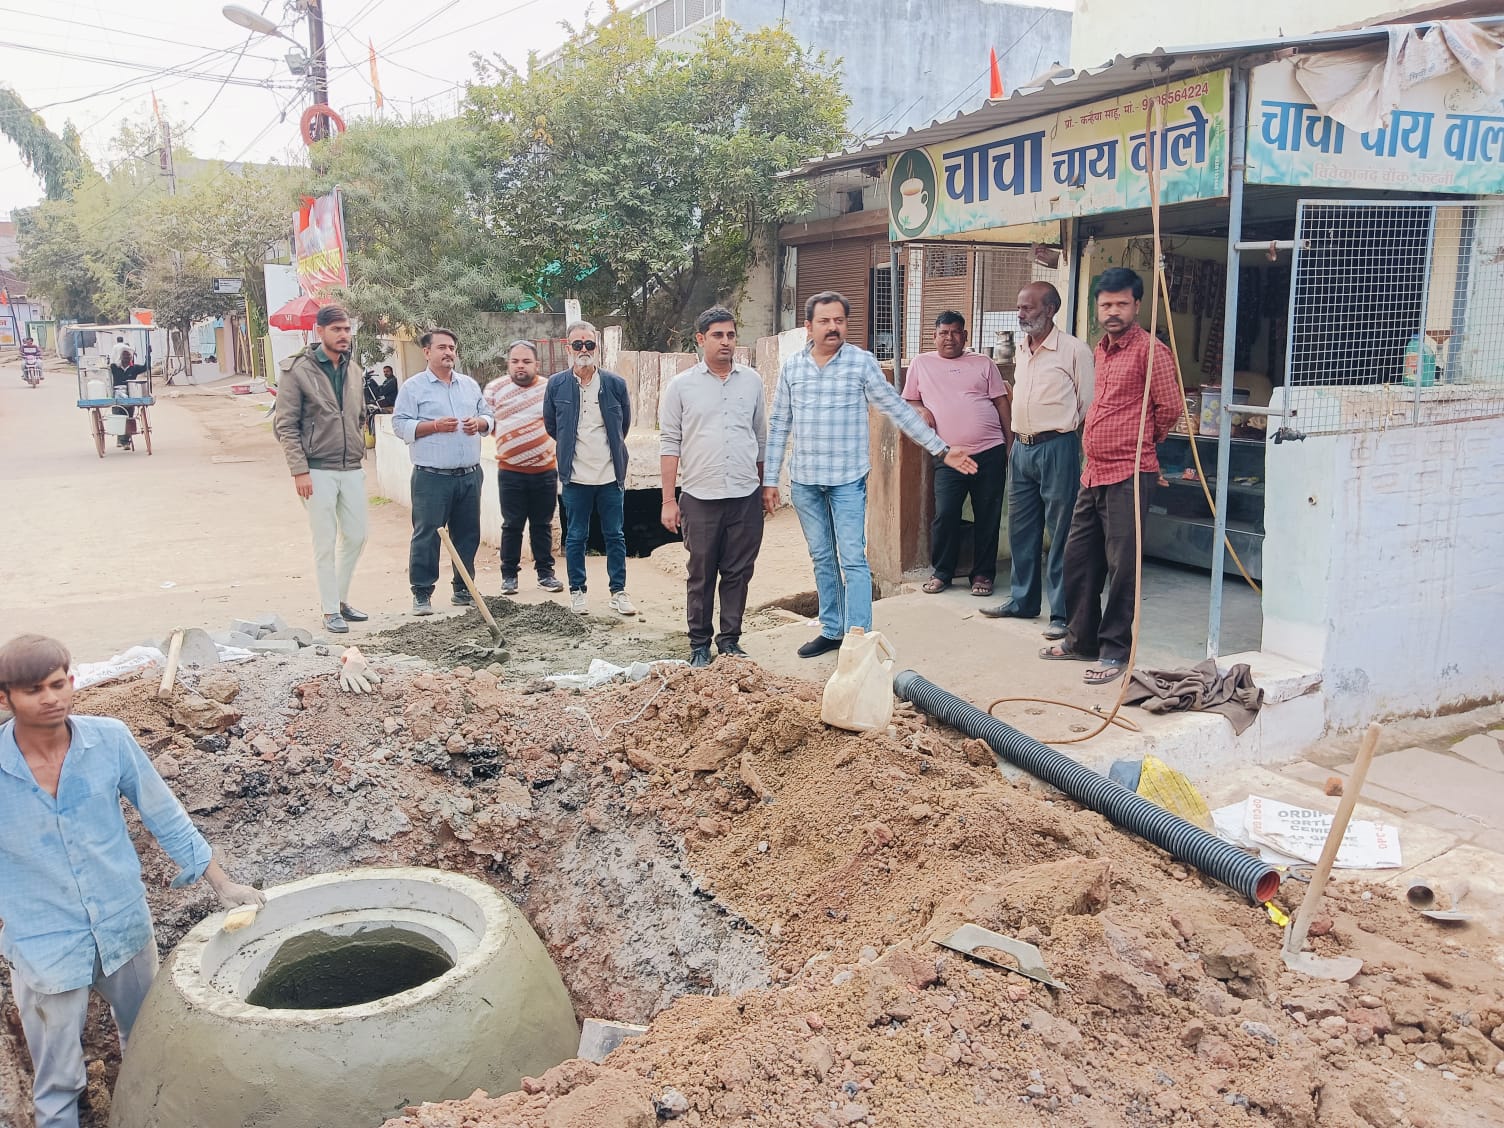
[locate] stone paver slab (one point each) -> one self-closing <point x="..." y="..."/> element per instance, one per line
<point x="1316" y="776"/>
<point x="1481" y="750"/>
<point x="1442" y="781"/>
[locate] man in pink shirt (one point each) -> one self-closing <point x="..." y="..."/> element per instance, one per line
<point x="962" y="396"/>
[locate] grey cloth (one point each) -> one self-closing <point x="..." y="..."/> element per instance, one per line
<point x="718" y="429"/>
<point x="1202" y="688"/>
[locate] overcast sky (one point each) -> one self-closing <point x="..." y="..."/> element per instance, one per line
<point x="423" y="51"/>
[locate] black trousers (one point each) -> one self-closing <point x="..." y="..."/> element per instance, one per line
<point x="442" y="501"/>
<point x="986" y="489"/>
<point x="527" y="499"/>
<point x="723" y="538"/>
<point x="1102" y="549"/>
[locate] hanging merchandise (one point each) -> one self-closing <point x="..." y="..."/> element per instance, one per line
<point x="1216" y="308"/>
<point x="1250" y="310"/>
<point x="1277" y="310"/>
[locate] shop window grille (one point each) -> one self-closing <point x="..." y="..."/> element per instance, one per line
<point x="1396" y="315"/>
<point x="882" y="310"/>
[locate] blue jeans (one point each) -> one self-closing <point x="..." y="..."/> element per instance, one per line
<point x="1042" y="488"/>
<point x="578" y="503"/>
<point x="834" y="520"/>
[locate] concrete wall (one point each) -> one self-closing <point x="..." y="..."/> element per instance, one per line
<point x="1104" y="28"/>
<point x="1382" y="566"/>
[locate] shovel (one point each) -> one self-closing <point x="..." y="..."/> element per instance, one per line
<point x="1339" y="968"/>
<point x="488" y="653"/>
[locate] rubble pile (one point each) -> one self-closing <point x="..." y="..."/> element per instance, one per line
<point x="699" y="853"/>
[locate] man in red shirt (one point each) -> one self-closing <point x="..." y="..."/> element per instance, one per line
<point x="1102" y="546"/>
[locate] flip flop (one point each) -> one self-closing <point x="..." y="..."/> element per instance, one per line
<point x="981" y="588"/>
<point x="1106" y="670"/>
<point x="1061" y="654"/>
<point x="935" y="586"/>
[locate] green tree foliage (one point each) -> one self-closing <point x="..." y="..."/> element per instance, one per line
<point x="57" y="161"/>
<point x="420" y="253"/>
<point x="640" y="180"/>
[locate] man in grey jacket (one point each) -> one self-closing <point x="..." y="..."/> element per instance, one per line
<point x="320" y="422"/>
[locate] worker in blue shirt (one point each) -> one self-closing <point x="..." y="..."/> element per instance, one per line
<point x="72" y="903"/>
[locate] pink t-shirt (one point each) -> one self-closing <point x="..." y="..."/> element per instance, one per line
<point x="959" y="394"/>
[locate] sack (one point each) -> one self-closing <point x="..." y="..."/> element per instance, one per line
<point x="859" y="695"/>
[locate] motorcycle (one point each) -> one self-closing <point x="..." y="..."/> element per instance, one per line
<point x="31" y="371"/>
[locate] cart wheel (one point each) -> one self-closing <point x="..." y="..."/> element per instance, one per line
<point x="98" y="430"/>
<point x="146" y="430"/>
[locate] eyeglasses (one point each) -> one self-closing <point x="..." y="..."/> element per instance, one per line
<point x="582" y="346"/>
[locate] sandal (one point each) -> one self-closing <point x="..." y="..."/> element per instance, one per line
<point x="1061" y="654"/>
<point x="981" y="588"/>
<point x="1106" y="670"/>
<point x="935" y="585"/>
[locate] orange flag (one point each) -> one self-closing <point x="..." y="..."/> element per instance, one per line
<point x="996" y="90"/>
<point x="375" y="81"/>
<point x="155" y="110"/>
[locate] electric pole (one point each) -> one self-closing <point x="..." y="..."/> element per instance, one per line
<point x="318" y="64"/>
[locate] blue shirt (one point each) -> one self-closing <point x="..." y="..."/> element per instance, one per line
<point x="826" y="411"/>
<point x="424" y="398"/>
<point x="71" y="889"/>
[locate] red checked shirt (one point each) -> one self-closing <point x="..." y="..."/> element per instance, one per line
<point x="1111" y="432"/>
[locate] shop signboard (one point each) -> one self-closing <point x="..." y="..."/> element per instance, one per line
<point x="318" y="241"/>
<point x="1086" y="160"/>
<point x="1447" y="135"/>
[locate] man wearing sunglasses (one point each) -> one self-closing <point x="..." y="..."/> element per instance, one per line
<point x="587" y="412"/>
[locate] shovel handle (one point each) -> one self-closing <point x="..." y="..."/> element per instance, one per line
<point x="1296" y="938"/>
<point x="174" y="654"/>
<point x="459" y="566"/>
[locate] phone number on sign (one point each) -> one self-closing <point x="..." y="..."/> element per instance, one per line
<point x="1184" y="94"/>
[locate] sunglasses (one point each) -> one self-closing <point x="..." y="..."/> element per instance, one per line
<point x="582" y="346"/>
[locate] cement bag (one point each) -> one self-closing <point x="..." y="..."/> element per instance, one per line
<point x="859" y="695"/>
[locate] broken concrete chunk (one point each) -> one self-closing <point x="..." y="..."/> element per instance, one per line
<point x="273" y="646"/>
<point x="198" y="650"/>
<point x="598" y="1037"/>
<point x="292" y="634"/>
<point x="232" y="638"/>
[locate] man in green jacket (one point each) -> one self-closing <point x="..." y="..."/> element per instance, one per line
<point x="320" y="422"/>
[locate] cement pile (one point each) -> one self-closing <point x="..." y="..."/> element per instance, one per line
<point x="700" y="853"/>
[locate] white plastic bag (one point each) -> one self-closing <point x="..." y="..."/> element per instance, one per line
<point x="859" y="695"/>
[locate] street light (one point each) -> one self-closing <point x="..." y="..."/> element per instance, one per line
<point x="253" y="21"/>
<point x="314" y="63"/>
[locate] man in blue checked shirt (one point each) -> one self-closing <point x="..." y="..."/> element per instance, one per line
<point x="72" y="904"/>
<point x="822" y="400"/>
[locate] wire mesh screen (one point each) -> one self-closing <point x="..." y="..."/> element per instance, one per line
<point x="1396" y="315"/>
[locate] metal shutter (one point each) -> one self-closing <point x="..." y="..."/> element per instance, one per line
<point x="842" y="265"/>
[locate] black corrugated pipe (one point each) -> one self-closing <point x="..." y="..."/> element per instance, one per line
<point x="1249" y="875"/>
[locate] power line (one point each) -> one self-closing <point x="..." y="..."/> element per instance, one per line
<point x="124" y="64"/>
<point x="115" y="30"/>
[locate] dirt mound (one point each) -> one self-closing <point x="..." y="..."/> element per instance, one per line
<point x="698" y="850"/>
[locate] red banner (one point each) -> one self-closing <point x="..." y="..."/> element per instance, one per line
<point x="318" y="245"/>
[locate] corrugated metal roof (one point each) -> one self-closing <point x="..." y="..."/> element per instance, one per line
<point x="1121" y="75"/>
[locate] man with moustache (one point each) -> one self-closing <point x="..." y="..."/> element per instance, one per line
<point x="712" y="425"/>
<point x="527" y="475"/>
<point x="587" y="412"/>
<point x="1052" y="388"/>
<point x="1103" y="546"/>
<point x="320" y="422"/>
<point x="821" y="404"/>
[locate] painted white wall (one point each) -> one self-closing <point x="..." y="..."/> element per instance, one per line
<point x="1382" y="566"/>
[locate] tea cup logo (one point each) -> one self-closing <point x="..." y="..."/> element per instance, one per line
<point x="916" y="202"/>
<point x="911" y="193"/>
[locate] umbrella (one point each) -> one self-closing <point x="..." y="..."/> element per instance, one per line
<point x="296" y="314"/>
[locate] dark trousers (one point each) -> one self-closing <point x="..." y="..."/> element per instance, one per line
<point x="1043" y="481"/>
<point x="1102" y="549"/>
<point x="579" y="502"/>
<point x="528" y="499"/>
<point x="723" y="538"/>
<point x="985" y="489"/>
<point x="443" y="501"/>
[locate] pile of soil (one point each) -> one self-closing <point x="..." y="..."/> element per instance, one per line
<point x="698" y="851"/>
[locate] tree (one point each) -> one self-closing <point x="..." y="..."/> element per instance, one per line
<point x="640" y="179"/>
<point x="57" y="161"/>
<point x="419" y="251"/>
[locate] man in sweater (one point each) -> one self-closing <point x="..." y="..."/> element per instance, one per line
<point x="320" y="422"/>
<point x="527" y="475"/>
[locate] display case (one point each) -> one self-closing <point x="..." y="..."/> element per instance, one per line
<point x="1180" y="527"/>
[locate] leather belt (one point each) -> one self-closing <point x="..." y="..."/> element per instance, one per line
<point x="1041" y="437"/>
<point x="457" y="472"/>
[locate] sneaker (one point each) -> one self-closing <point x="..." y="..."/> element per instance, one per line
<point x="699" y="657"/>
<point x="819" y="645"/>
<point x="422" y="605"/>
<point x="462" y="599"/>
<point x="335" y="624"/>
<point x="733" y="650"/>
<point x="509" y="585"/>
<point x="349" y="613"/>
<point x="621" y="604"/>
<point x="1056" y="630"/>
<point x="578" y="603"/>
<point x="550" y="583"/>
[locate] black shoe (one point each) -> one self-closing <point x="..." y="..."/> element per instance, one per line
<point x="699" y="657"/>
<point x="819" y="645"/>
<point x="354" y="616"/>
<point x="550" y="583"/>
<point x="462" y="599"/>
<point x="509" y="585"/>
<point x="1006" y="611"/>
<point x="733" y="650"/>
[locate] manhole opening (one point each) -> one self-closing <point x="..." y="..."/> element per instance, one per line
<point x="321" y="971"/>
